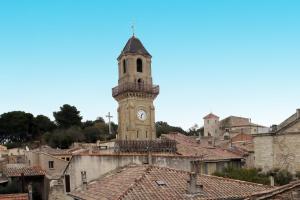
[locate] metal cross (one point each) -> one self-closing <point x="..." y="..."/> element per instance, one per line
<point x="109" y="123"/>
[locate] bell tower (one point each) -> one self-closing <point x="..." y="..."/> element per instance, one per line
<point x="135" y="93"/>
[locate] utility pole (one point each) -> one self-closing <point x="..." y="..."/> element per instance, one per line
<point x="109" y="123"/>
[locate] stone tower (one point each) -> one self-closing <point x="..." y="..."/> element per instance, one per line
<point x="135" y="93"/>
<point x="211" y="125"/>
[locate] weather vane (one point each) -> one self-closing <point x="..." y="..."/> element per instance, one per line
<point x="132" y="27"/>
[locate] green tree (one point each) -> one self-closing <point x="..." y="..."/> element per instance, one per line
<point x="87" y="124"/>
<point x="16" y="127"/>
<point x="63" y="138"/>
<point x="281" y="176"/>
<point x="250" y="175"/>
<point x="165" y="128"/>
<point x="43" y="124"/>
<point x="67" y="116"/>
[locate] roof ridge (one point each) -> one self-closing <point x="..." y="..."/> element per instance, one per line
<point x="211" y="176"/>
<point x="235" y="180"/>
<point x="277" y="190"/>
<point x="136" y="181"/>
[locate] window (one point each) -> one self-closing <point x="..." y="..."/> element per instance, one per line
<point x="139" y="65"/>
<point x="205" y="168"/>
<point x="146" y="134"/>
<point x="220" y="166"/>
<point x="68" y="159"/>
<point x="137" y="134"/>
<point x="51" y="164"/>
<point x="124" y="66"/>
<point x="207" y="121"/>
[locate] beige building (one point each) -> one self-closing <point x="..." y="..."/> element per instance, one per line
<point x="211" y="125"/>
<point x="135" y="93"/>
<point x="230" y="126"/>
<point x="280" y="146"/>
<point x="145" y="182"/>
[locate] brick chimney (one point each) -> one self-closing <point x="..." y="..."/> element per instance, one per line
<point x="83" y="180"/>
<point x="192" y="187"/>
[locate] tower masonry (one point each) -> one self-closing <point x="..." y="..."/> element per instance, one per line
<point x="211" y="125"/>
<point x="135" y="93"/>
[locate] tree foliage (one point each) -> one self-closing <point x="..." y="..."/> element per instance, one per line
<point x="67" y="116"/>
<point x="251" y="175"/>
<point x="18" y="127"/>
<point x="165" y="128"/>
<point x="281" y="177"/>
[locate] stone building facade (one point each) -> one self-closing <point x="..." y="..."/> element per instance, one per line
<point x="230" y="126"/>
<point x="211" y="125"/>
<point x="280" y="147"/>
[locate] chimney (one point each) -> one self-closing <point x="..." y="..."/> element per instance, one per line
<point x="192" y="187"/>
<point x="272" y="181"/>
<point x="30" y="191"/>
<point x="149" y="157"/>
<point x="298" y="113"/>
<point x="83" y="180"/>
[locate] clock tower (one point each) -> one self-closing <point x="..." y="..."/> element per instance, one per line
<point x="135" y="93"/>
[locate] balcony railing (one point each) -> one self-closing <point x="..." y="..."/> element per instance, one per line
<point x="135" y="87"/>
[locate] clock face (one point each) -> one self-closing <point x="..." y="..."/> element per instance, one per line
<point x="142" y="115"/>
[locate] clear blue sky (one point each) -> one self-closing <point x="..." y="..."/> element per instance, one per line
<point x="230" y="57"/>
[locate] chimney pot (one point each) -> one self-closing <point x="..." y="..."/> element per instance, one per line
<point x="84" y="180"/>
<point x="272" y="181"/>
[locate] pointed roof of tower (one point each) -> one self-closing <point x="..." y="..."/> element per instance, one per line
<point x="210" y="115"/>
<point x="134" y="46"/>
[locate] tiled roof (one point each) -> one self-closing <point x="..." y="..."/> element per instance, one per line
<point x="210" y="115"/>
<point x="142" y="182"/>
<point x="279" y="193"/>
<point x="187" y="146"/>
<point x="27" y="171"/>
<point x="58" y="152"/>
<point x="134" y="45"/>
<point x="13" y="196"/>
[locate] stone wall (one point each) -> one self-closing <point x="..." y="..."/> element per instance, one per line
<point x="263" y="152"/>
<point x="98" y="165"/>
<point x="279" y="151"/>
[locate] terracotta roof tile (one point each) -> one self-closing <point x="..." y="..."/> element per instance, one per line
<point x="13" y="196"/>
<point x="140" y="182"/>
<point x="27" y="171"/>
<point x="190" y="147"/>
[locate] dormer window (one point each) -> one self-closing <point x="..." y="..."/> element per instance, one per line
<point x="139" y="65"/>
<point x="124" y="66"/>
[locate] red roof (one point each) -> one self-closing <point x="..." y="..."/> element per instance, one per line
<point x="13" y="196"/>
<point x="155" y="183"/>
<point x="27" y="171"/>
<point x="210" y="115"/>
<point x="188" y="146"/>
